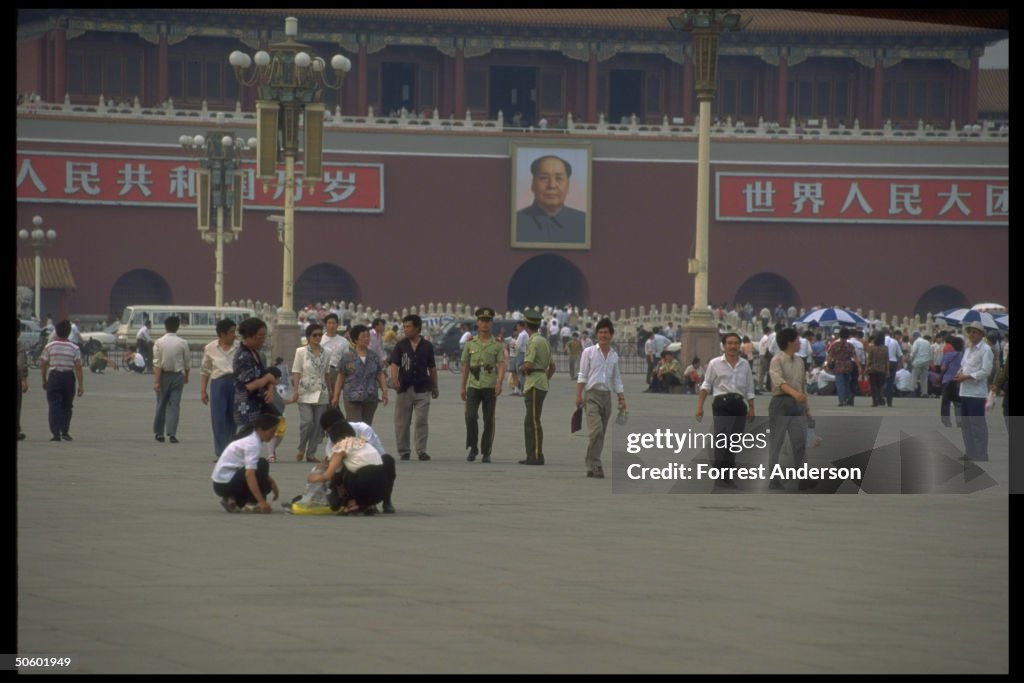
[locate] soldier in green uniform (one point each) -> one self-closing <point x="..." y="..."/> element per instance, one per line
<point x="483" y="369"/>
<point x="538" y="367"/>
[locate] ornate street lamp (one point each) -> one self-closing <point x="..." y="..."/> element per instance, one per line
<point x="218" y="190"/>
<point x="700" y="337"/>
<point x="39" y="241"/>
<point x="289" y="81"/>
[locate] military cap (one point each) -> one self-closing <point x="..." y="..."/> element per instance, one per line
<point x="485" y="313"/>
<point x="532" y="316"/>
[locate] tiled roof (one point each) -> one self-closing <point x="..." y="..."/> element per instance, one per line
<point x="994" y="90"/>
<point x="54" y="273"/>
<point x="762" y="20"/>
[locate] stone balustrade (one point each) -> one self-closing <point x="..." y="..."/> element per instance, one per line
<point x="811" y="130"/>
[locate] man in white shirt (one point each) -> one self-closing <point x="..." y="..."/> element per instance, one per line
<point x="376" y="338"/>
<point x="904" y="382"/>
<point x="144" y="343"/>
<point x="895" y="355"/>
<point x="599" y="377"/>
<point x="334" y="345"/>
<point x="171" y="361"/>
<point x="975" y="369"/>
<point x="730" y="381"/>
<point x="857" y="342"/>
<point x="522" y="339"/>
<point x="920" y="358"/>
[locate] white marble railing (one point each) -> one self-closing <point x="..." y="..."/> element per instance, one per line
<point x="627" y="321"/>
<point x="30" y="105"/>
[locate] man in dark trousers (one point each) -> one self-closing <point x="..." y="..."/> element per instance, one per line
<point x="61" y="364"/>
<point x="730" y="381"/>
<point x="414" y="377"/>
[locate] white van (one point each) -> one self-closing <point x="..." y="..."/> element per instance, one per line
<point x="198" y="323"/>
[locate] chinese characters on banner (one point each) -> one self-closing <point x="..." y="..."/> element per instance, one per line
<point x="792" y="198"/>
<point x="170" y="181"/>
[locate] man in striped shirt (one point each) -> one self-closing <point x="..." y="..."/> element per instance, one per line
<point x="61" y="363"/>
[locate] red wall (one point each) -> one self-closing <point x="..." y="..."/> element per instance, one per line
<point x="444" y="236"/>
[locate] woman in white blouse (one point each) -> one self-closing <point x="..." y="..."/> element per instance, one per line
<point x="217" y="384"/>
<point x="310" y="391"/>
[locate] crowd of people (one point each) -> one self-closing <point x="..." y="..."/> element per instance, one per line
<point x="357" y="368"/>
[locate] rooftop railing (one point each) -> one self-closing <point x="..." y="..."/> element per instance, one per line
<point x="811" y="129"/>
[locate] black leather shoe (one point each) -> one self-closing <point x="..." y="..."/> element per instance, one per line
<point x="172" y="439"/>
<point x="424" y="456"/>
<point x="404" y="457"/>
<point x="21" y="437"/>
<point x="590" y="474"/>
<point x="599" y="474"/>
<point x="531" y="461"/>
<point x="471" y="454"/>
<point x="66" y="436"/>
<point x="160" y="438"/>
<point x="486" y="458"/>
<point x="389" y="509"/>
<point x="55" y="438"/>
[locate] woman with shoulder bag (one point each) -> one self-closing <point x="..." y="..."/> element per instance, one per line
<point x="950" y="389"/>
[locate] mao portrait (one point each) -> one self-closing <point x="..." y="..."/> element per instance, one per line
<point x="551" y="197"/>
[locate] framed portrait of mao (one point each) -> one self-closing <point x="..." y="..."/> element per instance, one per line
<point x="550" y="196"/>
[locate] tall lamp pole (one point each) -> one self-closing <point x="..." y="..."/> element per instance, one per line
<point x="39" y="240"/>
<point x="289" y="81"/>
<point x="218" y="190"/>
<point x="700" y="337"/>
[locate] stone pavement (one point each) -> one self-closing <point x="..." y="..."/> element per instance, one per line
<point x="127" y="562"/>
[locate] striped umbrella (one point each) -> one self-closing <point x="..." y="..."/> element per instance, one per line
<point x="957" y="317"/>
<point x="827" y="317"/>
<point x="1002" y="320"/>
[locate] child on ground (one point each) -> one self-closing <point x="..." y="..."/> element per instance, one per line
<point x="241" y="477"/>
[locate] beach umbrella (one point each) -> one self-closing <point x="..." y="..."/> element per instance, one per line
<point x="989" y="308"/>
<point x="1002" y="320"/>
<point x="826" y="317"/>
<point x="959" y="316"/>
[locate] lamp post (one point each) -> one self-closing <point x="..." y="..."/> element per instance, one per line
<point x="700" y="337"/>
<point x="39" y="241"/>
<point x="289" y="81"/>
<point x="218" y="190"/>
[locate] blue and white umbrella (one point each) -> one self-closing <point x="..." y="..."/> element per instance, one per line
<point x="958" y="317"/>
<point x="1002" y="320"/>
<point x="827" y="317"/>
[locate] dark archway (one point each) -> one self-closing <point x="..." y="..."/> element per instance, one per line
<point x="767" y="290"/>
<point x="938" y="299"/>
<point x="138" y="287"/>
<point x="326" y="282"/>
<point x="547" y="280"/>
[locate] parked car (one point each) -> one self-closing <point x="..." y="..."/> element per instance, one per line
<point x="30" y="333"/>
<point x="105" y="338"/>
<point x="448" y="344"/>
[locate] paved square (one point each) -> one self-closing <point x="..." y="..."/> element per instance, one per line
<point x="127" y="562"/>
